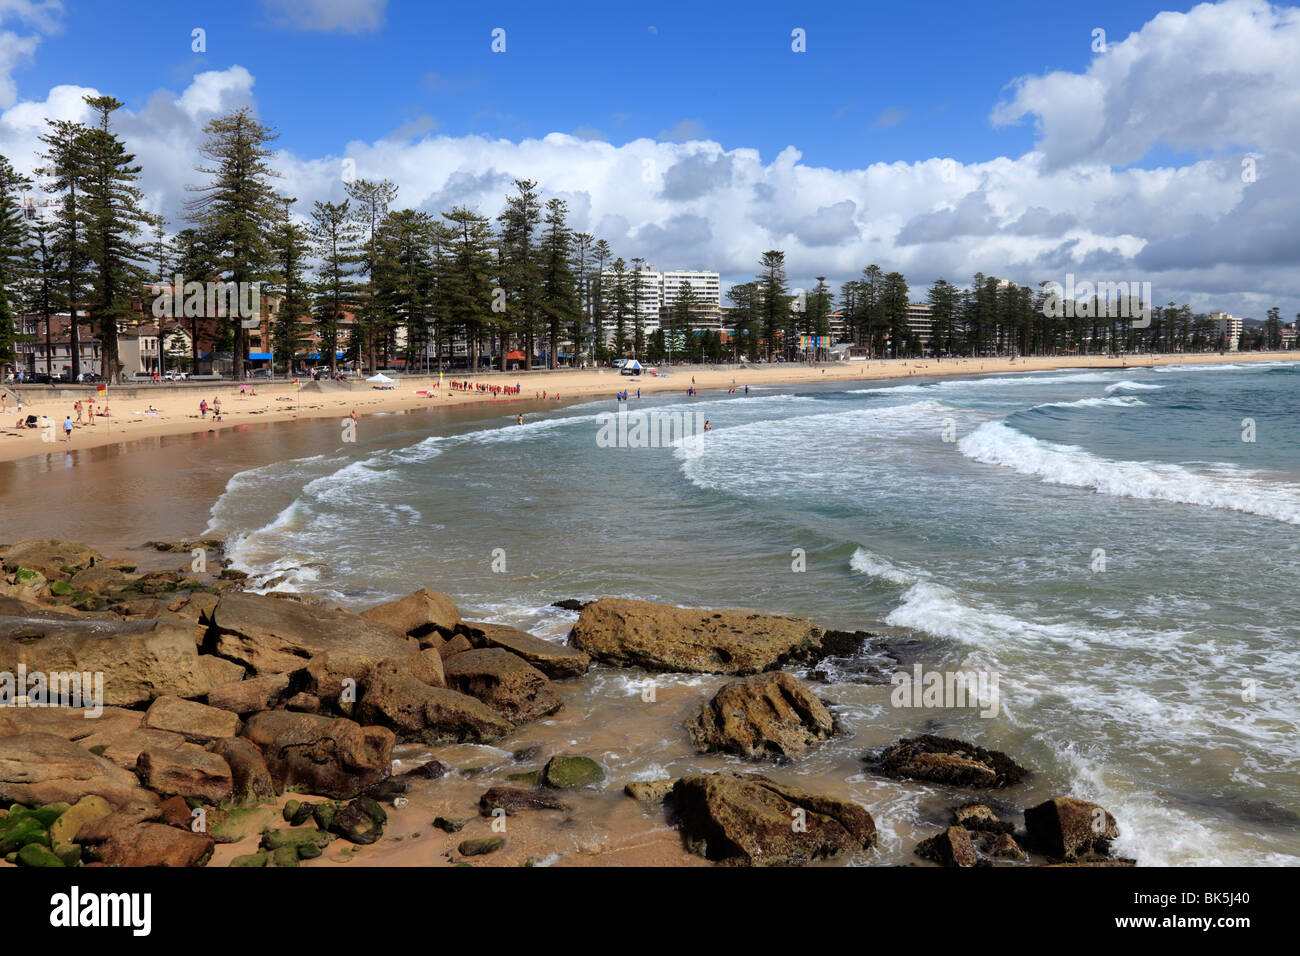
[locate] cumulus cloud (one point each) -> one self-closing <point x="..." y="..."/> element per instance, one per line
<point x="1199" y="229"/>
<point x="43" y="16"/>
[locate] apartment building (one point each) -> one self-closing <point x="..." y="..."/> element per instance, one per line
<point x="660" y="293"/>
<point x="1228" y="326"/>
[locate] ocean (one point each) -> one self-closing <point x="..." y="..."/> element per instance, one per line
<point x="1119" y="548"/>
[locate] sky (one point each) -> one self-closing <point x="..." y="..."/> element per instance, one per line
<point x="1115" y="141"/>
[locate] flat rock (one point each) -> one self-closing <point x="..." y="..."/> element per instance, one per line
<point x="154" y="844"/>
<point x="649" y="791"/>
<point x="249" y="696"/>
<point x="68" y="722"/>
<point x="44" y="768"/>
<point x="333" y="757"/>
<point x="554" y="660"/>
<point x="271" y="636"/>
<point x="49" y="556"/>
<point x="512" y="799"/>
<point x="748" y="820"/>
<point x="508" y="684"/>
<point x="197" y="723"/>
<point x="947" y="761"/>
<point x="662" y="637"/>
<point x="124" y="748"/>
<point x="767" y="715"/>
<point x="139" y="660"/>
<point x="219" y="670"/>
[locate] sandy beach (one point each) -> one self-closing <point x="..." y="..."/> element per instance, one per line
<point x="176" y="408"/>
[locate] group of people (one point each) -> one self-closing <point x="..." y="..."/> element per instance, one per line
<point x="80" y="408"/>
<point x="493" y="390"/>
<point x="215" y="408"/>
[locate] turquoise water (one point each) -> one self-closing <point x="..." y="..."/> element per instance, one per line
<point x="1105" y="542"/>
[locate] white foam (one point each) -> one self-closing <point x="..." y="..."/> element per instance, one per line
<point x="1131" y="386"/>
<point x="874" y="566"/>
<point x="1228" y="487"/>
<point x="1110" y="401"/>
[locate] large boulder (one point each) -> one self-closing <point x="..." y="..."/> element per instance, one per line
<point x="152" y="844"/>
<point x="1071" y="829"/>
<point x="417" y="614"/>
<point x="947" y="761"/>
<point x="662" y="637"/>
<point x="748" y="819"/>
<point x="415" y="711"/>
<point x="124" y="748"/>
<point x="44" y="768"/>
<point x="508" y="684"/>
<point x="273" y="636"/>
<point x="766" y="715"/>
<point x="554" y="660"/>
<point x="219" y="670"/>
<point x="186" y="772"/>
<point x="249" y="696"/>
<point x="250" y="778"/>
<point x="952" y="847"/>
<point x="69" y="722"/>
<point x="101" y="579"/>
<point x="331" y="757"/>
<point x="139" y="660"/>
<point x="53" y="559"/>
<point x="197" y="723"/>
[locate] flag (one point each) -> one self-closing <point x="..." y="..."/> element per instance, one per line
<point x="101" y="388"/>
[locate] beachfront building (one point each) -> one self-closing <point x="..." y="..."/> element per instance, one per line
<point x="1228" y="329"/>
<point x="36" y="356"/>
<point x="920" y="324"/>
<point x="660" y="293"/>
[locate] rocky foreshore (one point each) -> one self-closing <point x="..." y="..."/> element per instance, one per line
<point x="212" y="717"/>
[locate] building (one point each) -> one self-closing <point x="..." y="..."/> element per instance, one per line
<point x="1228" y="328"/>
<point x="35" y="358"/>
<point x="920" y="323"/>
<point x="660" y="292"/>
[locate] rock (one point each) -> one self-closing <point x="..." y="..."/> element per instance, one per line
<point x="260" y="858"/>
<point x="20" y="828"/>
<point x="947" y="761"/>
<point x="153" y="844"/>
<point x="101" y="828"/>
<point x="35" y="855"/>
<point x="187" y="773"/>
<point x="251" y="782"/>
<point x="449" y="824"/>
<point x="50" y="557"/>
<point x="457" y="645"/>
<point x="746" y="819"/>
<point x="569" y="604"/>
<point x="425" y="667"/>
<point x="61" y="589"/>
<point x="649" y="791"/>
<point x="303" y="842"/>
<point x="101" y="579"/>
<point x="662" y="637"/>
<point x="508" y="684"/>
<point x="417" y="614"/>
<point x="415" y="711"/>
<point x="220" y="671"/>
<point x="85" y="726"/>
<point x="28" y="578"/>
<point x="157" y="582"/>
<point x="554" y="660"/>
<point x="334" y="757"/>
<point x="1003" y="846"/>
<point x="767" y="715"/>
<point x="176" y="812"/>
<point x="568" y="772"/>
<point x="1070" y="829"/>
<point x="197" y="723"/>
<point x="511" y="799"/>
<point x="361" y="821"/>
<point x="952" y="847"/>
<point x="977" y="817"/>
<point x="480" y="846"/>
<point x="249" y="696"/>
<point x="431" y="770"/>
<point x="43" y="768"/>
<point x="271" y="636"/>
<point x="124" y="749"/>
<point x="304" y="703"/>
<point x="63" y="831"/>
<point x="139" y="660"/>
<point x="285" y="856"/>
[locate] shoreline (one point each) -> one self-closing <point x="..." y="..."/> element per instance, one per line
<point x="177" y="412"/>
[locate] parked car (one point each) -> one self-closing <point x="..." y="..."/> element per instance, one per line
<point x="260" y="373"/>
<point x="176" y="376"/>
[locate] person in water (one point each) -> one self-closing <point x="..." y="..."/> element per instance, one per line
<point x="521" y="419"/>
<point x="707" y="426"/>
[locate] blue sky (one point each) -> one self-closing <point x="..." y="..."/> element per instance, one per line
<point x="878" y="82"/>
<point x="938" y="139"/>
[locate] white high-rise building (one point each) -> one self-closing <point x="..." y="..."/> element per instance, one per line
<point x="1228" y="326"/>
<point x="660" y="292"/>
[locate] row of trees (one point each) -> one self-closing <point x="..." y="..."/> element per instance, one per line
<point x="410" y="282"/>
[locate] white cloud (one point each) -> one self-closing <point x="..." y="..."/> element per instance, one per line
<point x="327" y="16"/>
<point x="1196" y="230"/>
<point x="17" y="50"/>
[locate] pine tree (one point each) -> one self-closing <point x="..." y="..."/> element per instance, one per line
<point x="290" y="247"/>
<point x="559" y="304"/>
<point x="465" y="284"/>
<point x="636" y="290"/>
<point x="370" y="202"/>
<point x="15" y="259"/>
<point x="238" y="210"/>
<point x="65" y="173"/>
<point x="774" y="299"/>
<point x="601" y="253"/>
<point x="619" y="297"/>
<point x="334" y="237"/>
<point x="113" y="223"/>
<point x="520" y="269"/>
<point x="404" y="277"/>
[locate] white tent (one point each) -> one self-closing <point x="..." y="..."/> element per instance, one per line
<point x="381" y="379"/>
<point x="632" y="367"/>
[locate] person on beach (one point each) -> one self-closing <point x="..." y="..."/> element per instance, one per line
<point x="4" y="402"/>
<point x="353" y="416"/>
<point x="203" y="408"/>
<point x="76" y="407"/>
<point x="90" y="410"/>
<point x="67" y="428"/>
<point x="216" y="406"/>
